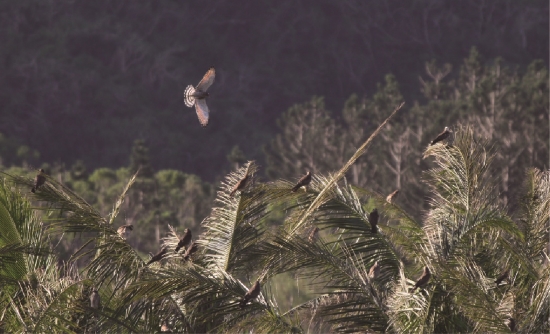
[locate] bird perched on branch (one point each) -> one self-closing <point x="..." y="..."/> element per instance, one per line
<point x="503" y="276"/>
<point x="303" y="182"/>
<point x="39" y="180"/>
<point x="158" y="256"/>
<point x="374" y="271"/>
<point x="185" y="239"/>
<point x="197" y="95"/>
<point x="124" y="230"/>
<point x="373" y="220"/>
<point x="252" y="294"/>
<point x="442" y="136"/>
<point x="94" y="299"/>
<point x="391" y="196"/>
<point x="240" y="185"/>
<point x="423" y="279"/>
<point x="190" y="251"/>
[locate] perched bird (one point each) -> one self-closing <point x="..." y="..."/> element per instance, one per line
<point x="94" y="299"/>
<point x="251" y="294"/>
<point x="391" y="196"/>
<point x="158" y="256"/>
<point x="240" y="185"/>
<point x="192" y="249"/>
<point x="313" y="234"/>
<point x="303" y="182"/>
<point x="503" y="276"/>
<point x="124" y="230"/>
<point x="374" y="271"/>
<point x="197" y="95"/>
<point x="511" y="324"/>
<point x="373" y="220"/>
<point x="185" y="239"/>
<point x="39" y="180"/>
<point x="423" y="279"/>
<point x="165" y="327"/>
<point x="442" y="136"/>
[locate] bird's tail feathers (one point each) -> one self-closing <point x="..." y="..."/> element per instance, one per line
<point x="187" y="94"/>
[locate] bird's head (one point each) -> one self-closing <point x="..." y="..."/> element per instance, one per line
<point x="41" y="170"/>
<point x="375" y="210"/>
<point x="426" y="269"/>
<point x="447" y="128"/>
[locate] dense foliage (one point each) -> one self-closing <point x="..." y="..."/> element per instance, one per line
<point x="467" y="239"/>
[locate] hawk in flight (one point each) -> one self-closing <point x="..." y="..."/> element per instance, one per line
<point x="197" y="96"/>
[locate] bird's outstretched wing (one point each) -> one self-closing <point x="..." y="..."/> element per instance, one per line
<point x="207" y="80"/>
<point x="202" y="111"/>
<point x="187" y="96"/>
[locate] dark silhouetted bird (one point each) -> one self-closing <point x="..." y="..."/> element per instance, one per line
<point x="39" y="180"/>
<point x="240" y="185"/>
<point x="502" y="277"/>
<point x="94" y="299"/>
<point x="124" y="230"/>
<point x="303" y="182"/>
<point x="185" y="239"/>
<point x="251" y="294"/>
<point x="197" y="95"/>
<point x="391" y="196"/>
<point x="190" y="251"/>
<point x="423" y="279"/>
<point x="511" y="324"/>
<point x="158" y="256"/>
<point x="442" y="136"/>
<point x="374" y="271"/>
<point x="313" y="234"/>
<point x="373" y="220"/>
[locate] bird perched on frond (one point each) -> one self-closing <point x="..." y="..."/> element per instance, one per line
<point x="392" y="196"/>
<point x="94" y="299"/>
<point x="303" y="182"/>
<point x="313" y="234"/>
<point x="442" y="136"/>
<point x="374" y="271"/>
<point x="252" y="294"/>
<point x="190" y="251"/>
<point x="511" y="324"/>
<point x="185" y="239"/>
<point x="423" y="280"/>
<point x="503" y="276"/>
<point x="124" y="230"/>
<point x="39" y="180"/>
<point x="197" y="96"/>
<point x="373" y="220"/>
<point x="240" y="185"/>
<point x="158" y="256"/>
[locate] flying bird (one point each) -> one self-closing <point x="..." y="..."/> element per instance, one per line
<point x="251" y="294"/>
<point x="303" y="182"/>
<point x="158" y="256"/>
<point x="240" y="185"/>
<point x="442" y="136"/>
<point x="502" y="277"/>
<point x="423" y="279"/>
<point x="185" y="239"/>
<point x="391" y="196"/>
<point x="374" y="271"/>
<point x="124" y="230"/>
<point x="192" y="249"/>
<point x="94" y="299"/>
<point x="39" y="180"/>
<point x="373" y="220"/>
<point x="197" y="95"/>
<point x="313" y="234"/>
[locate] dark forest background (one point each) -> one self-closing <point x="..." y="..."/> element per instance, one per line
<point x="93" y="90"/>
